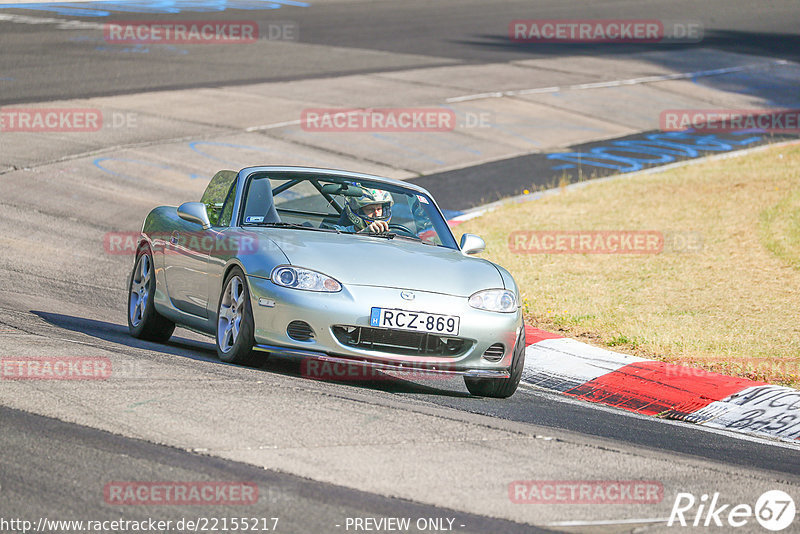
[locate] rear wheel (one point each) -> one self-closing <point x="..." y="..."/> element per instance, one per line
<point x="501" y="388"/>
<point x="235" y="325"/>
<point x="144" y="322"/>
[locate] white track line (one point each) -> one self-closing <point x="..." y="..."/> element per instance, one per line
<point x="272" y="126"/>
<point x="617" y="83"/>
<point x="607" y="522"/>
<point x="62" y="24"/>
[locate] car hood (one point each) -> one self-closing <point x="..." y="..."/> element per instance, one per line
<point x="373" y="261"/>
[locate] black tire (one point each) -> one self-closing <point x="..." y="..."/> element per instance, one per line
<point x="144" y="322"/>
<point x="501" y="388"/>
<point x="235" y="325"/>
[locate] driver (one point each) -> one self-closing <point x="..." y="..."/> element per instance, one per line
<point x="370" y="212"/>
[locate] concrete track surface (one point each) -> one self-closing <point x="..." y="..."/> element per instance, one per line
<point x="323" y="452"/>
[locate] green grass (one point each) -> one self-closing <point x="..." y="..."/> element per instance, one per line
<point x="731" y="297"/>
<point x="780" y="229"/>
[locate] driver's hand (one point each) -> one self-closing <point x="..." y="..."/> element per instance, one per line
<point x="377" y="227"/>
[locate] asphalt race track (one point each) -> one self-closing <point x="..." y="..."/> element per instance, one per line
<point x="321" y="452"/>
<point x="51" y="468"/>
<point x="415" y="33"/>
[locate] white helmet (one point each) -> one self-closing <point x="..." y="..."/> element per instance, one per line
<point x="355" y="206"/>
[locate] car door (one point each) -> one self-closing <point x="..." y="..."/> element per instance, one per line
<point x="189" y="248"/>
<point x="185" y="267"/>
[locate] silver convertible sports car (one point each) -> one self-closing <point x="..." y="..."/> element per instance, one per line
<point x="330" y="265"/>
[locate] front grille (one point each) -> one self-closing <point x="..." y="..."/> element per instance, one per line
<point x="399" y="341"/>
<point x="494" y="353"/>
<point x="300" y="331"/>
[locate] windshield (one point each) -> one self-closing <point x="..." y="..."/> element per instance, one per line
<point x="345" y="205"/>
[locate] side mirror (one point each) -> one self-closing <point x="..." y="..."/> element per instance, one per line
<point x="194" y="212"/>
<point x="472" y="244"/>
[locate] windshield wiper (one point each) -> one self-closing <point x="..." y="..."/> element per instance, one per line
<point x="292" y="225"/>
<point x="385" y="235"/>
<point x="392" y="235"/>
<point x="410" y="237"/>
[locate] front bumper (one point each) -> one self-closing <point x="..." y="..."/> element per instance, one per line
<point x="352" y="306"/>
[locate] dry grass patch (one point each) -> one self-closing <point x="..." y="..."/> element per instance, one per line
<point x="731" y="303"/>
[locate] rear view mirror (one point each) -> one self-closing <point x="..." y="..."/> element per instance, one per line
<point x="343" y="189"/>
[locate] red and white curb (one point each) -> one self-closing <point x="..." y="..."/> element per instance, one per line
<point x="651" y="387"/>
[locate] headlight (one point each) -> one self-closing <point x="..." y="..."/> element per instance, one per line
<point x="496" y="300"/>
<point x="306" y="279"/>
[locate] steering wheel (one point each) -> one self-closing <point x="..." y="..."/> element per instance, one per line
<point x="401" y="228"/>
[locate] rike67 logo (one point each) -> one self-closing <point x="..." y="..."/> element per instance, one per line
<point x="774" y="510"/>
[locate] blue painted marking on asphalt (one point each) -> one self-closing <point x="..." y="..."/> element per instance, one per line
<point x="591" y="160"/>
<point x="634" y="147"/>
<point x="141" y="49"/>
<point x="105" y="8"/>
<point x="667" y="145"/>
<point x="620" y="155"/>
<point x="747" y="140"/>
<point x="172" y="48"/>
<point x="137" y="49"/>
<point x="59" y="9"/>
<point x="97" y="163"/>
<point x="193" y="146"/>
<point x="635" y="154"/>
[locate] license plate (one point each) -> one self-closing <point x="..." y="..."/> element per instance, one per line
<point x="416" y="321"/>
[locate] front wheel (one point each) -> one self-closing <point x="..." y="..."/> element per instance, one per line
<point x="144" y="322"/>
<point x="501" y="388"/>
<point x="235" y="325"/>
